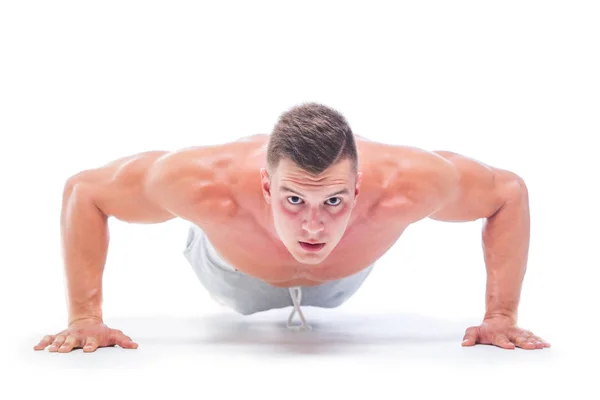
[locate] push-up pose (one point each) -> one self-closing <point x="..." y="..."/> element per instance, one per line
<point x="294" y="218"/>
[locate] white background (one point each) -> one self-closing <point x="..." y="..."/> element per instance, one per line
<point x="514" y="84"/>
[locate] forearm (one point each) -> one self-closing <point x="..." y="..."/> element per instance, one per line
<point x="84" y="236"/>
<point x="506" y="246"/>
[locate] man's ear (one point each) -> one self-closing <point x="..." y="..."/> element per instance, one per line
<point x="265" y="184"/>
<point x="357" y="188"/>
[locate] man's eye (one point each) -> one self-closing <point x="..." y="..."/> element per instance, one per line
<point x="335" y="198"/>
<point x="294" y="197"/>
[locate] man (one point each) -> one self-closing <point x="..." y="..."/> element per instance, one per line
<point x="297" y="217"/>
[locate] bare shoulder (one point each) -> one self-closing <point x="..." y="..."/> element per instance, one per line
<point x="214" y="162"/>
<point x="411" y="178"/>
<point x="405" y="168"/>
<point x="200" y="181"/>
<point x="446" y="185"/>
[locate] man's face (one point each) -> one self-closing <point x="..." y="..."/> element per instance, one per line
<point x="311" y="209"/>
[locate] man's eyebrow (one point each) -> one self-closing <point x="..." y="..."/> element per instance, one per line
<point x="287" y="189"/>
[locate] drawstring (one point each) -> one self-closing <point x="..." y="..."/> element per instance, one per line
<point x="296" y="294"/>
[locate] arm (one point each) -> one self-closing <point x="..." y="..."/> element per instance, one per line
<point x="147" y="188"/>
<point x="89" y="198"/>
<point x="499" y="197"/>
<point x="455" y="188"/>
<point x="467" y="190"/>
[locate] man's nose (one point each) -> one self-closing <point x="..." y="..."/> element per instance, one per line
<point x="313" y="223"/>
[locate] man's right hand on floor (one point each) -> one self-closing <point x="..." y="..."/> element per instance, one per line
<point x="87" y="334"/>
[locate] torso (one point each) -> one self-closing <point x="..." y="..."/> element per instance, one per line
<point x="250" y="244"/>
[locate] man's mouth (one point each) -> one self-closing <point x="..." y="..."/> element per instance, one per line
<point x="312" y="246"/>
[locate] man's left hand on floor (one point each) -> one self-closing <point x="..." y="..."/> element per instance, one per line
<point x="504" y="333"/>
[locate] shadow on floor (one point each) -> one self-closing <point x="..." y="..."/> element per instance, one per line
<point x="331" y="331"/>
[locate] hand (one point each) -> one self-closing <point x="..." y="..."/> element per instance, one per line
<point x="504" y="333"/>
<point x="88" y="334"/>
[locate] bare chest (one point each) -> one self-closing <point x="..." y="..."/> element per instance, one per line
<point x="246" y="242"/>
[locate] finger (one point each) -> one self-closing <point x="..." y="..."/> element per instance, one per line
<point x="126" y="342"/>
<point x="544" y="343"/>
<point x="539" y="345"/>
<point x="471" y="336"/>
<point x="524" y="342"/>
<point x="58" y="341"/>
<point x="530" y="343"/>
<point x="504" y="342"/>
<point x="70" y="342"/>
<point x="91" y="344"/>
<point x="536" y="341"/>
<point x="46" y="340"/>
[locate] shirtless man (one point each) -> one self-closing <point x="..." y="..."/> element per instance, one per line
<point x="255" y="204"/>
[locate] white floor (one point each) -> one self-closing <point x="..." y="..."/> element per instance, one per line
<point x="380" y="355"/>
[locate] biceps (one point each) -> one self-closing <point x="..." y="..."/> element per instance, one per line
<point x="480" y="192"/>
<point x="118" y="189"/>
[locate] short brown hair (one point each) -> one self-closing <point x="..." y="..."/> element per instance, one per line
<point x="314" y="137"/>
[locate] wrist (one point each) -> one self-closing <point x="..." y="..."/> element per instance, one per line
<point x="501" y="315"/>
<point x="85" y="319"/>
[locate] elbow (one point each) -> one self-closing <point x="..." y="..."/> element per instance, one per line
<point x="513" y="186"/>
<point x="69" y="187"/>
<point x="85" y="176"/>
<point x="77" y="189"/>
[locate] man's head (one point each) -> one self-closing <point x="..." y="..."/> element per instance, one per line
<point x="311" y="181"/>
